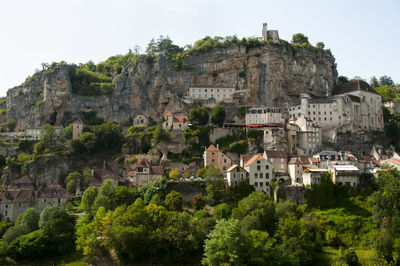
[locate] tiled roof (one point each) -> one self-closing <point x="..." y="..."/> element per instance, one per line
<point x="212" y="148"/>
<point x="234" y="167"/>
<point x="23" y="180"/>
<point x="253" y="159"/>
<point x="53" y="193"/>
<point x="143" y="163"/>
<point x="157" y="170"/>
<point x="17" y="196"/>
<point x="181" y="118"/>
<point x="313" y="160"/>
<point x="132" y="173"/>
<point x="247" y="157"/>
<point x="394" y="161"/>
<point x="353" y="85"/>
<point x="294" y="160"/>
<point x="276" y="154"/>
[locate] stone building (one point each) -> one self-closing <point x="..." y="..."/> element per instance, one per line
<point x="21" y="195"/>
<point x="274" y="136"/>
<point x="144" y="173"/>
<point x="213" y="157"/>
<point x="267" y="35"/>
<point x="110" y="171"/>
<point x="236" y="175"/>
<point x="140" y="121"/>
<point x="175" y="122"/>
<point x="264" y="116"/>
<point x="278" y="158"/>
<point x="260" y="173"/>
<point x="309" y="137"/>
<point x="219" y="93"/>
<point x="347" y="175"/>
<point x="354" y="106"/>
<point x="77" y="128"/>
<point x="54" y="195"/>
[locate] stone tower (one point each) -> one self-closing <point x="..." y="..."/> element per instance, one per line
<point x="265" y="31"/>
<point x="77" y="127"/>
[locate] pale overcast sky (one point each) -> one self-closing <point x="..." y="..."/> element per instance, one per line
<point x="364" y="36"/>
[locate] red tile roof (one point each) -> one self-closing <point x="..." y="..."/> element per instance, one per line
<point x="212" y="148"/>
<point x="254" y="158"/>
<point x="181" y="118"/>
<point x="394" y="161"/>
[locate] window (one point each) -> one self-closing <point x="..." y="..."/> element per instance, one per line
<point x="212" y="160"/>
<point x="255" y="175"/>
<point x="6" y="206"/>
<point x="261" y="175"/>
<point x="267" y="175"/>
<point x="261" y="184"/>
<point x="199" y="95"/>
<point x="258" y="162"/>
<point x="256" y="184"/>
<point x="258" y="167"/>
<point x="267" y="167"/>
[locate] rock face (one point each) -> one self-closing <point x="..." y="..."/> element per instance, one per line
<point x="269" y="75"/>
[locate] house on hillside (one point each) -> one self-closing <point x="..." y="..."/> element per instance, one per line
<point x="236" y="175"/>
<point x="260" y="173"/>
<point x="140" y="121"/>
<point x="175" y="122"/>
<point x="213" y="157"/>
<point x="54" y="195"/>
<point x="110" y="170"/>
<point x="144" y="173"/>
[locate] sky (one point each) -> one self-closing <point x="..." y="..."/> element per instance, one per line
<point x="363" y="35"/>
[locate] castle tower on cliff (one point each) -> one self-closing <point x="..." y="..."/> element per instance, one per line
<point x="273" y="35"/>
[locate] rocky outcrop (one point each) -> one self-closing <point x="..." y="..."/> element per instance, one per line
<point x="269" y="75"/>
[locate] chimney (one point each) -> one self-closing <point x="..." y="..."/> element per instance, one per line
<point x="217" y="146"/>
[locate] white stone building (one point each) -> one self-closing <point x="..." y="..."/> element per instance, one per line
<point x="393" y="106"/>
<point x="264" y="116"/>
<point x="354" y="106"/>
<point x="347" y="175"/>
<point x="260" y="173"/>
<point x="219" y="93"/>
<point x="236" y="175"/>
<point x="309" y="137"/>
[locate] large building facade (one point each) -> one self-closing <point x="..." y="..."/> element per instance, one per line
<point x="354" y="106"/>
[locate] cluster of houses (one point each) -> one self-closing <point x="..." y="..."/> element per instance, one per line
<point x="260" y="169"/>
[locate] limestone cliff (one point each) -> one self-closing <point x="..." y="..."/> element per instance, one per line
<point x="272" y="75"/>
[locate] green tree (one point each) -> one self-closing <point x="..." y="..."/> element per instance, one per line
<point x="89" y="141"/>
<point x="222" y="211"/>
<point x="88" y="199"/>
<point x="320" y="45"/>
<point x="386" y="80"/>
<point x="15" y="232"/>
<point x="174" y="173"/>
<point x="160" y="134"/>
<point x="47" y="134"/>
<point x="299" y="39"/>
<point x="123" y="195"/>
<point x="105" y="196"/>
<point x="67" y="132"/>
<point x="226" y="245"/>
<point x="259" y="209"/>
<point x="374" y="82"/>
<point x="39" y="147"/>
<point x="173" y="201"/>
<point x="201" y="172"/>
<point x="218" y="115"/>
<point x="199" y="116"/>
<point x="30" y="218"/>
<point x="198" y="202"/>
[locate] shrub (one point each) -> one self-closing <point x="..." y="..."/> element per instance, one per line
<point x="198" y="202"/>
